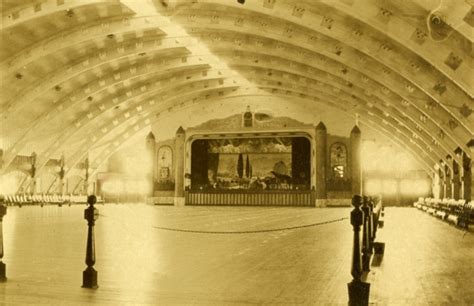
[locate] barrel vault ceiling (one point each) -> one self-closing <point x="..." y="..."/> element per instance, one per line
<point x="82" y="75"/>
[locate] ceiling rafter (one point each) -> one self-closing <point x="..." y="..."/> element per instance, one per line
<point x="26" y="14"/>
<point x="375" y="101"/>
<point x="115" y="28"/>
<point x="304" y="68"/>
<point x="410" y="34"/>
<point x="95" y="63"/>
<point x="138" y="106"/>
<point x="413" y="94"/>
<point x="18" y="32"/>
<point x="380" y="108"/>
<point x="78" y="97"/>
<point x="387" y="123"/>
<point x="128" y="126"/>
<point x="399" y="95"/>
<point x="374" y="57"/>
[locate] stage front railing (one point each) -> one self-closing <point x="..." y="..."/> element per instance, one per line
<point x="251" y="197"/>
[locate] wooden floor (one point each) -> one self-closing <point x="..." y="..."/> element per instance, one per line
<point x="426" y="262"/>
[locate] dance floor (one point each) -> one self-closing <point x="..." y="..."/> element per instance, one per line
<point x="426" y="261"/>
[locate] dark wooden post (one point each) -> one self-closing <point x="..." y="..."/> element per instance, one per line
<point x="91" y="214"/>
<point x="366" y="252"/>
<point x="358" y="290"/>
<point x="378" y="247"/>
<point x="151" y="151"/>
<point x="467" y="175"/>
<point x="441" y="175"/>
<point x="376" y="217"/>
<point x="179" y="167"/>
<point x="356" y="170"/>
<point x="456" y="181"/>
<point x="449" y="177"/>
<point x="61" y="181"/>
<point x="371" y="223"/>
<point x="61" y="174"/>
<point x="320" y="161"/>
<point x="33" y="173"/>
<point x="3" y="268"/>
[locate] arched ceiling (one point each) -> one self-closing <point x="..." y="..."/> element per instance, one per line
<point x="82" y="76"/>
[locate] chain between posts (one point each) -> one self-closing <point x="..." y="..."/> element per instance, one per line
<point x="249" y="232"/>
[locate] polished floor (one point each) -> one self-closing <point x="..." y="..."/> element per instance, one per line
<point x="426" y="262"/>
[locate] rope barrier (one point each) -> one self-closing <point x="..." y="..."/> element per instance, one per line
<point x="248" y="232"/>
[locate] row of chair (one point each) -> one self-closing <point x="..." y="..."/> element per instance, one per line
<point x="41" y="199"/>
<point x="458" y="212"/>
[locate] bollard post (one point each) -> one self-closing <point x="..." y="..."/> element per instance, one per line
<point x="366" y="252"/>
<point x="376" y="217"/>
<point x="3" y="267"/>
<point x="378" y="247"/>
<point x="380" y="221"/>
<point x="89" y="276"/>
<point x="371" y="225"/>
<point x="358" y="290"/>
